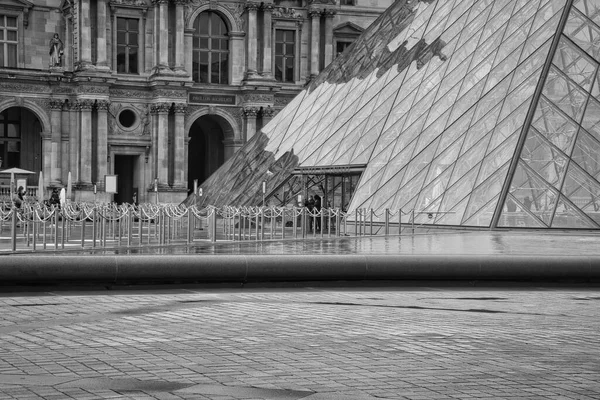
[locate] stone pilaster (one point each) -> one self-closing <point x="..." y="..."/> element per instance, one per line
<point x="315" y="36"/>
<point x="236" y="41"/>
<point x="180" y="168"/>
<point x="267" y="115"/>
<point x="252" y="32"/>
<point x="102" y="141"/>
<point x="161" y="37"/>
<point x="180" y="36"/>
<point x="329" y="14"/>
<point x="101" y="60"/>
<point x="85" y="36"/>
<point x="55" y="157"/>
<point x="85" y="172"/>
<point x="74" y="139"/>
<point x="267" y="42"/>
<point x="162" y="142"/>
<point x="250" y="114"/>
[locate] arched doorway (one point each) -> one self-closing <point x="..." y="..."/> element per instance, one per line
<point x="20" y="142"/>
<point x="206" y="152"/>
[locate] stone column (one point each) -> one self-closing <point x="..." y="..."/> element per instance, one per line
<point x="267" y="42"/>
<point x="85" y="36"/>
<point x="47" y="158"/>
<point x="179" y="146"/>
<point x="85" y="175"/>
<point x="101" y="60"/>
<point x="162" y="143"/>
<point x="180" y="35"/>
<point x="329" y="14"/>
<point x="102" y="141"/>
<point x="74" y="139"/>
<point x="55" y="149"/>
<point x="250" y="114"/>
<point x="252" y="39"/>
<point x="315" y="33"/>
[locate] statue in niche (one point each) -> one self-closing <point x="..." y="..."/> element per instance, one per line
<point x="56" y="51"/>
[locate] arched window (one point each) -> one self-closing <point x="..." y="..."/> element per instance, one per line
<point x="211" y="49"/>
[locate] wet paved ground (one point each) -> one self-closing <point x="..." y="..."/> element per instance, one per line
<point x="312" y="343"/>
<point x="447" y="243"/>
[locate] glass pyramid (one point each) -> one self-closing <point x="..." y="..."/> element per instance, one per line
<point x="482" y="113"/>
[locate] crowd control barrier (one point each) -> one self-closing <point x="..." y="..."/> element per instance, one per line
<point x="39" y="227"/>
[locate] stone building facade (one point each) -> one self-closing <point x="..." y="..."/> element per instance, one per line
<point x="156" y="92"/>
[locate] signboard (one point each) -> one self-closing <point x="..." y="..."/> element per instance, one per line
<point x="110" y="183"/>
<point x="204" y="98"/>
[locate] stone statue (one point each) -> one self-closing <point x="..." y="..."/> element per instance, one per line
<point x="56" y="51"/>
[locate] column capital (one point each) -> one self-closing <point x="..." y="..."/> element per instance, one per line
<point x="250" y="112"/>
<point x="85" y="105"/>
<point x="329" y="13"/>
<point x="160" y="108"/>
<point x="268" y="8"/>
<point x="159" y="2"/>
<point x="180" y="108"/>
<point x="181" y="2"/>
<point x="55" y="104"/>
<point x="268" y="112"/>
<point x="102" y="105"/>
<point x="252" y="6"/>
<point x="314" y="13"/>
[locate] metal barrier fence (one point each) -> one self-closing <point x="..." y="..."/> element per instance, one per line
<point x="37" y="227"/>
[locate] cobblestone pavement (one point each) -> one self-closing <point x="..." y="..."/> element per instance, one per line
<point x="302" y="343"/>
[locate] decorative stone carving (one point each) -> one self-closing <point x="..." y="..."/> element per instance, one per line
<point x="130" y="94"/>
<point x="89" y="89"/>
<point x="178" y="94"/>
<point x="331" y="2"/>
<point x="55" y="104"/>
<point x="160" y="108"/>
<point x="24" y="88"/>
<point x="282" y="101"/>
<point x="250" y="112"/>
<point x="86" y="104"/>
<point x="258" y="98"/>
<point x="140" y="128"/>
<point x="285" y="12"/>
<point x="139" y="3"/>
<point x="252" y="6"/>
<point x="180" y="108"/>
<point x="102" y="105"/>
<point x="268" y="112"/>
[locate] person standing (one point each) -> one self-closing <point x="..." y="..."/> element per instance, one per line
<point x="318" y="212"/>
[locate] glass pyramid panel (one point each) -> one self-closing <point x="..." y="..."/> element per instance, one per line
<point x="439" y="100"/>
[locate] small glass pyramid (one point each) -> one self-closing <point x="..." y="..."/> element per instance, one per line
<point x="482" y="113"/>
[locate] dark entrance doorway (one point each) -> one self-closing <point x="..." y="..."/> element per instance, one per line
<point x="21" y="142"/>
<point x="124" y="168"/>
<point x="205" y="149"/>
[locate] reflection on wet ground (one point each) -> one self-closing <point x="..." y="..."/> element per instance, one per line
<point x="450" y="243"/>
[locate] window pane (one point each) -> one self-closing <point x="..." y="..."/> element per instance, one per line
<point x="11" y="35"/>
<point x="12" y="55"/>
<point x="133" y="60"/>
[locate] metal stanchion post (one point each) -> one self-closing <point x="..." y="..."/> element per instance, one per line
<point x="13" y="233"/>
<point x="94" y="227"/>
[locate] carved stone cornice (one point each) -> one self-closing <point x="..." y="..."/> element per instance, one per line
<point x="130" y="93"/>
<point x="170" y="93"/>
<point x="24" y="88"/>
<point x="91" y="89"/>
<point x="258" y="98"/>
<point x="129" y="3"/>
<point x="180" y="2"/>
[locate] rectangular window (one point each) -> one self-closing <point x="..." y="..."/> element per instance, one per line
<point x="285" y="55"/>
<point x="8" y="41"/>
<point x="347" y="2"/>
<point x="127" y="45"/>
<point x="340" y="46"/>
